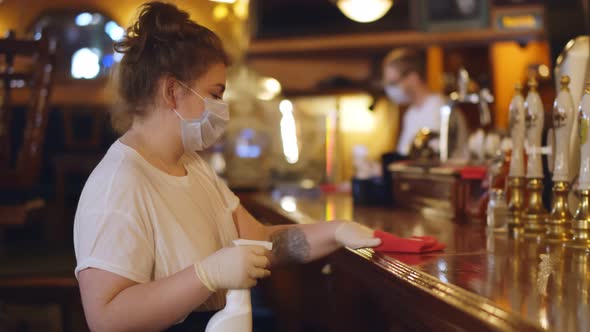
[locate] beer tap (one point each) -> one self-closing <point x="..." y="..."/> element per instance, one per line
<point x="453" y="142"/>
<point x="535" y="212"/>
<point x="581" y="222"/>
<point x="559" y="221"/>
<point x="516" y="172"/>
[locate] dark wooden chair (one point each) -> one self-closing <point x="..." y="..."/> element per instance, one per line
<point x="85" y="132"/>
<point x="36" y="280"/>
<point x="26" y="68"/>
<point x="33" y="274"/>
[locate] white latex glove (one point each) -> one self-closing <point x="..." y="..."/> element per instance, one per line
<point x="354" y="235"/>
<point x="233" y="268"/>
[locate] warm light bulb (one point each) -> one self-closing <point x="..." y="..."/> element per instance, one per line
<point x="220" y="12"/>
<point x="269" y="88"/>
<point x="272" y="85"/>
<point x="364" y="11"/>
<point x="544" y="71"/>
<point x="224" y="1"/>
<point x="289" y="203"/>
<point x="241" y="9"/>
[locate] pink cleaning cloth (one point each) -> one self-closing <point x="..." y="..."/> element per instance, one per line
<point x="414" y="244"/>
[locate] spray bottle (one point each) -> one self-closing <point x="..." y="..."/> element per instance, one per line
<point x="237" y="314"/>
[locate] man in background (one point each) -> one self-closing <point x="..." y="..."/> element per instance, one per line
<point x="404" y="77"/>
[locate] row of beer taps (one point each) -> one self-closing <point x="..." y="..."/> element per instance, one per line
<point x="527" y="216"/>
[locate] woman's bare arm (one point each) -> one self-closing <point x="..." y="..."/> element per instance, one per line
<point x="291" y="243"/>
<point x="115" y="303"/>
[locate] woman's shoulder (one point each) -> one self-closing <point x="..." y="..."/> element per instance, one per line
<point x="120" y="163"/>
<point x="118" y="174"/>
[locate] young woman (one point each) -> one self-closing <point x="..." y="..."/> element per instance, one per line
<point x="154" y="224"/>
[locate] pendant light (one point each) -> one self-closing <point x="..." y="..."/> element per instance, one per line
<point x="364" y="11"/>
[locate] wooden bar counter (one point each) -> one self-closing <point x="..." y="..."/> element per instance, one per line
<point x="481" y="282"/>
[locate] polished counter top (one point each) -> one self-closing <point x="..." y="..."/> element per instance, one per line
<point x="509" y="284"/>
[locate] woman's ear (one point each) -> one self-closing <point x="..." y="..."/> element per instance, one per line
<point x="169" y="91"/>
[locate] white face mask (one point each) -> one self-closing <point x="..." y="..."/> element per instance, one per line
<point x="200" y="134"/>
<point x="397" y="94"/>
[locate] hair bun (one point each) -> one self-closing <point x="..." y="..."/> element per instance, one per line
<point x="157" y="23"/>
<point x="160" y="20"/>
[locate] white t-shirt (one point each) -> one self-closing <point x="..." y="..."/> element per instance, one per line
<point x="426" y="115"/>
<point x="140" y="223"/>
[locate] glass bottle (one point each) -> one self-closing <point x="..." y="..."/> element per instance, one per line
<point x="497" y="211"/>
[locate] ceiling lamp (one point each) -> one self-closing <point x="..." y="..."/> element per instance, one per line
<point x="268" y="88"/>
<point x="364" y="11"/>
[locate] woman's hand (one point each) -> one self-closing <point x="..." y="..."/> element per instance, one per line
<point x="233" y="268"/>
<point x="354" y="235"/>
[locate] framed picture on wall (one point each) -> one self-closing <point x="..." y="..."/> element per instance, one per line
<point x="519" y="18"/>
<point x="450" y="15"/>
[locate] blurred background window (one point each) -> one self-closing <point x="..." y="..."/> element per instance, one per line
<point x="86" y="41"/>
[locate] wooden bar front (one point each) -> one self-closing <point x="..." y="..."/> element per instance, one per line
<point x="481" y="282"/>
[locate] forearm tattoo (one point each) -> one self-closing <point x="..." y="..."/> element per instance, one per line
<point x="290" y="246"/>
